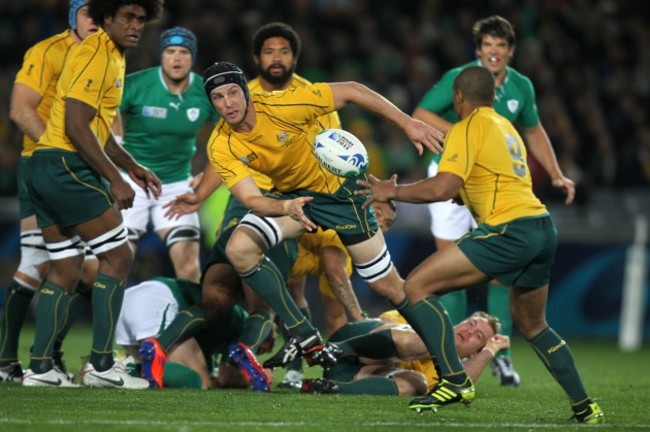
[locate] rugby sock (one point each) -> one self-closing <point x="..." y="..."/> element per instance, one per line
<point x="257" y="327"/>
<point x="185" y="325"/>
<point x="48" y="301"/>
<point x="498" y="304"/>
<point x="375" y="345"/>
<point x="369" y="386"/>
<point x="267" y="281"/>
<point x="556" y="356"/>
<point x="430" y="320"/>
<point x="177" y="375"/>
<point x="456" y="305"/>
<point x="107" y="297"/>
<point x="16" y="307"/>
<point x="72" y="308"/>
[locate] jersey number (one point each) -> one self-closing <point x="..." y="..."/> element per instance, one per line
<point x="518" y="163"/>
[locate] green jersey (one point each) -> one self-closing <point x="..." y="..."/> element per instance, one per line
<point x="161" y="127"/>
<point x="186" y="293"/>
<point x="514" y="99"/>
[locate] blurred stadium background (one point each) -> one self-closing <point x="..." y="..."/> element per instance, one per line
<point x="588" y="60"/>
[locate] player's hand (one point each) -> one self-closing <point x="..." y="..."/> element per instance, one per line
<point x="182" y="205"/>
<point x="498" y="342"/>
<point x="146" y="179"/>
<point x="123" y="193"/>
<point x="377" y="190"/>
<point x="568" y="186"/>
<point x="295" y="210"/>
<point x="422" y="134"/>
<point x="385" y="213"/>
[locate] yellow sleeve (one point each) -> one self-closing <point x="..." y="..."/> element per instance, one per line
<point x="90" y="63"/>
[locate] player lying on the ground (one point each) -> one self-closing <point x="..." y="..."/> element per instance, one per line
<point x="387" y="357"/>
<point x="151" y="306"/>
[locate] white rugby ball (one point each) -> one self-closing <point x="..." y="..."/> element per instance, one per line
<point x="340" y="153"/>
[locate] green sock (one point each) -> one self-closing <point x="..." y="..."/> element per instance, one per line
<point x="16" y="307"/>
<point x="556" y="356"/>
<point x="257" y="327"/>
<point x="430" y="320"/>
<point x="48" y="301"/>
<point x="177" y="375"/>
<point x="75" y="306"/>
<point x="267" y="281"/>
<point x="456" y="305"/>
<point x="498" y="304"/>
<point x="186" y="324"/>
<point x="375" y="345"/>
<point x="369" y="386"/>
<point x="107" y="297"/>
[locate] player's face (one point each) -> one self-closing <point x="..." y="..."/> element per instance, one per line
<point x="471" y="335"/>
<point x="176" y="62"/>
<point x="230" y="103"/>
<point x="495" y="54"/>
<point x="126" y="27"/>
<point x="85" y="24"/>
<point x="276" y="62"/>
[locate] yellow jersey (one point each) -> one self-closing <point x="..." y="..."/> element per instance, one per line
<point x="280" y="144"/>
<point x="425" y="366"/>
<point x="485" y="150"/>
<point x="95" y="76"/>
<point x="40" y="71"/>
<point x="308" y="258"/>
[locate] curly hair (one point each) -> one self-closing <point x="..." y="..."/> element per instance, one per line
<point x="495" y="26"/>
<point x="99" y="9"/>
<point x="276" y="29"/>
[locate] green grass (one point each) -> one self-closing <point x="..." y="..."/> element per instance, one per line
<point x="620" y="382"/>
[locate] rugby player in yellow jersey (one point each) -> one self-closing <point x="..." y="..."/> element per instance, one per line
<point x="31" y="100"/>
<point x="386" y="357"/>
<point x="77" y="191"/>
<point x="485" y="164"/>
<point x="272" y="133"/>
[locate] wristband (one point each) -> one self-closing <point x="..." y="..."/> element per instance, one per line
<point x="118" y="139"/>
<point x="490" y="350"/>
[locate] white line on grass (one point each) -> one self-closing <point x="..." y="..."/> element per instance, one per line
<point x="217" y="423"/>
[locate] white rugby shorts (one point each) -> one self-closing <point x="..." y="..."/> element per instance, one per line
<point x="148" y="309"/>
<point x="449" y="221"/>
<point x="145" y="209"/>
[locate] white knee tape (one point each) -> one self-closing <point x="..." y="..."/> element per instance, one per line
<point x="266" y="228"/>
<point x="376" y="268"/>
<point x="109" y="240"/>
<point x="32" y="253"/>
<point x="65" y="249"/>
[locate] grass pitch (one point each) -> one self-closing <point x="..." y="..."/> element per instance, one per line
<point x="619" y="381"/>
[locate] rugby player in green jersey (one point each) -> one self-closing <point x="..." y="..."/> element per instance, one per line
<point x="163" y="110"/>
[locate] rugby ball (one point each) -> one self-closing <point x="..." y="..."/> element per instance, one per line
<point x="340" y="152"/>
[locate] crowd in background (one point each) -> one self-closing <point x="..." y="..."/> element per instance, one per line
<point x="588" y="60"/>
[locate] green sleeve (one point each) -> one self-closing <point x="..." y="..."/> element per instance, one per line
<point x="529" y="117"/>
<point x="439" y="97"/>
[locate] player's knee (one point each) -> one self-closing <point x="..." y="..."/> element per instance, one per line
<point x="242" y="252"/>
<point x="34" y="257"/>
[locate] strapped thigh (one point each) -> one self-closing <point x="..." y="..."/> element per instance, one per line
<point x="376" y="268"/>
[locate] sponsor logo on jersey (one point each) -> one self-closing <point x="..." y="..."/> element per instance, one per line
<point x="513" y="104"/>
<point x="453" y="158"/>
<point x="248" y="158"/>
<point x="346" y="227"/>
<point x="118" y="83"/>
<point x="30" y="69"/>
<point x="193" y="114"/>
<point x="88" y="84"/>
<point x="175" y="105"/>
<point x="155" y="112"/>
<point x="282" y="137"/>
